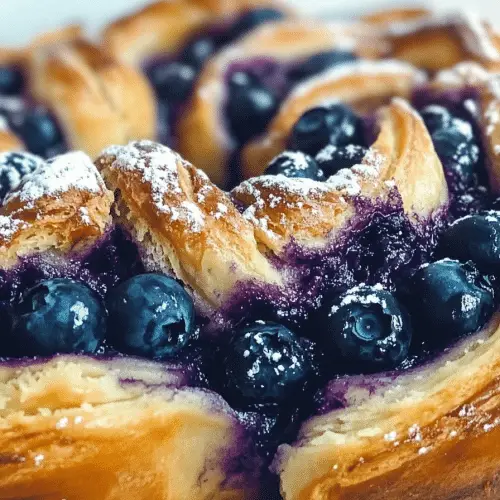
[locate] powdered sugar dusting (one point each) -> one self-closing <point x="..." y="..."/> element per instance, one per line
<point x="69" y="171"/>
<point x="158" y="166"/>
<point x="9" y="226"/>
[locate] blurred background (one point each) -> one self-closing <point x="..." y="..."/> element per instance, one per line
<point x="22" y="19"/>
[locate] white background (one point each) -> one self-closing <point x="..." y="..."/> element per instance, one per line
<point x="22" y="19"/>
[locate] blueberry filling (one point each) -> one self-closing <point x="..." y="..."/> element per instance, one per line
<point x="332" y="158"/>
<point x="11" y="80"/>
<point x="320" y="62"/>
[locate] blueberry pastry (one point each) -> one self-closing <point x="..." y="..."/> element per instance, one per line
<point x="172" y="41"/>
<point x="63" y="92"/>
<point x="326" y="329"/>
<point x="241" y="88"/>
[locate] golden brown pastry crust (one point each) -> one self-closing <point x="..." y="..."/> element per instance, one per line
<point x="163" y="27"/>
<point x="63" y="206"/>
<point x="437" y="41"/>
<point x="97" y="100"/>
<point x="9" y="142"/>
<point x="70" y="428"/>
<point x="364" y="85"/>
<point x="186" y="225"/>
<point x="429" y="437"/>
<point x="283" y="41"/>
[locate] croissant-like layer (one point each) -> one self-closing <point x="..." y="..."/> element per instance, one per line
<point x="431" y="432"/>
<point x="74" y="427"/>
<point x="163" y="27"/>
<point x="364" y="85"/>
<point x="282" y="42"/>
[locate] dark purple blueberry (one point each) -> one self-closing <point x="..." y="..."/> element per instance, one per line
<point x="318" y="127"/>
<point x="475" y="238"/>
<point x="59" y="316"/>
<point x="13" y="167"/>
<point x="320" y="62"/>
<point x="40" y="133"/>
<point x="173" y="81"/>
<point x="11" y="80"/>
<point x="252" y="19"/>
<point x="458" y="151"/>
<point x="436" y="118"/>
<point x="150" y="315"/>
<point x="250" y="106"/>
<point x="295" y="164"/>
<point x="366" y="329"/>
<point x="450" y="299"/>
<point x="495" y="206"/>
<point x="199" y="51"/>
<point x="265" y="363"/>
<point x="331" y="159"/>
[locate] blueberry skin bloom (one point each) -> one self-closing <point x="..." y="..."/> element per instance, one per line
<point x="368" y="329"/>
<point x="450" y="299"/>
<point x="265" y="363"/>
<point x="475" y="238"/>
<point x="59" y="316"/>
<point x="150" y="315"/>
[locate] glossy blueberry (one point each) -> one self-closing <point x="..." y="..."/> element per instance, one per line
<point x="436" y="118"/>
<point x="251" y="19"/>
<point x="331" y="159"/>
<point x="475" y="238"/>
<point x="457" y="149"/>
<point x="250" y="106"/>
<point x="265" y="363"/>
<point x="150" y="315"/>
<point x="336" y="125"/>
<point x="450" y="299"/>
<point x="11" y="80"/>
<point x="59" y="316"/>
<point x="199" y="51"/>
<point x="295" y="164"/>
<point x="320" y="62"/>
<point x="173" y="81"/>
<point x="367" y="329"/>
<point x="40" y="132"/>
<point x="13" y="167"/>
<point x="495" y="205"/>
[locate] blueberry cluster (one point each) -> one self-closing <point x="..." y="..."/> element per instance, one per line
<point x="459" y="150"/>
<point x="35" y="125"/>
<point x="148" y="315"/>
<point x="327" y="139"/>
<point x="173" y="80"/>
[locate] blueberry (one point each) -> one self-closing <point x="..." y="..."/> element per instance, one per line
<point x="450" y="299"/>
<point x="40" y="133"/>
<point x="59" y="316"/>
<point x="336" y="125"/>
<point x="150" y="315"/>
<point x="199" y="51"/>
<point x="265" y="363"/>
<point x="11" y="80"/>
<point x="13" y="167"/>
<point x="251" y="19"/>
<point x="295" y="164"/>
<point x="250" y="106"/>
<point x="457" y="150"/>
<point x="495" y="205"/>
<point x="436" y="118"/>
<point x="320" y="62"/>
<point x="173" y="82"/>
<point x="367" y="329"/>
<point x="475" y="238"/>
<point x="331" y="159"/>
